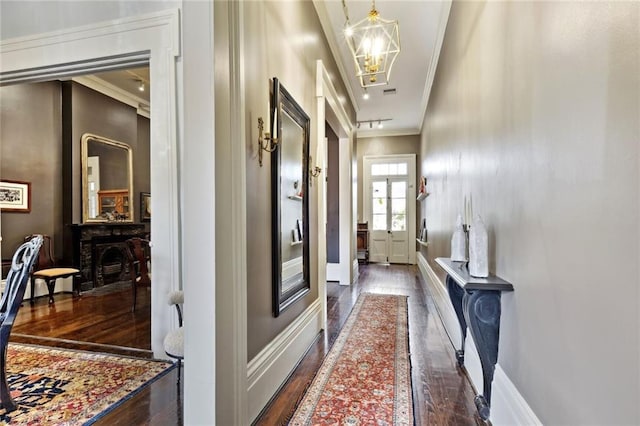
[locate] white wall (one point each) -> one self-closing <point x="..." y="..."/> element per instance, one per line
<point x="535" y="113"/>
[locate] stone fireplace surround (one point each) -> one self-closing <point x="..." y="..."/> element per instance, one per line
<point x="98" y="251"/>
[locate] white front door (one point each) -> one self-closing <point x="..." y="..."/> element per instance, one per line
<point x="389" y="241"/>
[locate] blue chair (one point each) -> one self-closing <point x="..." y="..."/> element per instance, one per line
<point x="21" y="265"/>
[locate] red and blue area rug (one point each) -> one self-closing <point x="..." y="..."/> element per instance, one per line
<point x="65" y="387"/>
<point x="365" y="378"/>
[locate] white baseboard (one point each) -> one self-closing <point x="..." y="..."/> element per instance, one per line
<point x="441" y="298"/>
<point x="40" y="287"/>
<point x="339" y="273"/>
<point x="508" y="407"/>
<point x="333" y="271"/>
<point x="268" y="370"/>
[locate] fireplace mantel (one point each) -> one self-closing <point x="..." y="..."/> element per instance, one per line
<point x="87" y="237"/>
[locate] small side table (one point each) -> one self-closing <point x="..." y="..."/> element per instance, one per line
<point x="476" y="302"/>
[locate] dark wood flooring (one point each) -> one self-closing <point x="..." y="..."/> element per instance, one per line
<point x="103" y="322"/>
<point x="441" y="391"/>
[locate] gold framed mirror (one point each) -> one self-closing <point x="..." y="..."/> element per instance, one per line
<point x="107" y="180"/>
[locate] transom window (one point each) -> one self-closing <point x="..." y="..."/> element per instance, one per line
<point x="389" y="169"/>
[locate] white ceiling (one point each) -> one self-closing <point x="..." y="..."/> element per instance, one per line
<point x="129" y="80"/>
<point x="421" y="28"/>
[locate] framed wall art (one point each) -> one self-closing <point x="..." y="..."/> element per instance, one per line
<point x="15" y="196"/>
<point x="145" y="207"/>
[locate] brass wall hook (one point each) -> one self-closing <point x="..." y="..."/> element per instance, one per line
<point x="265" y="142"/>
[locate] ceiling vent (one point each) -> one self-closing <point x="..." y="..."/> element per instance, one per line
<point x="389" y="91"/>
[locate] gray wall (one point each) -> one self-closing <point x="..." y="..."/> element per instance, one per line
<point x="31" y="117"/>
<point x="31" y="151"/>
<point x="333" y="196"/>
<point x="384" y="145"/>
<point x="271" y="27"/>
<point x="535" y="113"/>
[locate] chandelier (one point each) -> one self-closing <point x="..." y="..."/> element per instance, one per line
<point x="374" y="43"/>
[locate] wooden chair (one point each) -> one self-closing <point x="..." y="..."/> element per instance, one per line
<point x="174" y="340"/>
<point x="21" y="265"/>
<point x="45" y="269"/>
<point x="139" y="255"/>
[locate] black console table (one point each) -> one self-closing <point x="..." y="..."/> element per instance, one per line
<point x="476" y="302"/>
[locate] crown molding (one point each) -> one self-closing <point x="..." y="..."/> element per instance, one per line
<point x="375" y="133"/>
<point x="325" y="22"/>
<point x="142" y="107"/>
<point x="435" y="56"/>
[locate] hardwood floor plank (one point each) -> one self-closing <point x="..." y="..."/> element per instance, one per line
<point x="442" y="394"/>
<point x="103" y="322"/>
<point x="441" y="391"/>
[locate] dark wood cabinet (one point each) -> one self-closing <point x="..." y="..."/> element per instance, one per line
<point x="362" y="236"/>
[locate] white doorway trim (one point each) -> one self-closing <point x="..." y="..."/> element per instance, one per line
<point x="327" y="98"/>
<point x="179" y="249"/>
<point x="152" y="39"/>
<point x="367" y="161"/>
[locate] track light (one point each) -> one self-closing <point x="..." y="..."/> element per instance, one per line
<point x="141" y="86"/>
<point x="365" y="95"/>
<point x="370" y="122"/>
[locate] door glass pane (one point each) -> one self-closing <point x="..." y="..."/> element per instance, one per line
<point x="402" y="168"/>
<point x="398" y="189"/>
<point x="379" y="222"/>
<point x="399" y="206"/>
<point x="393" y="169"/>
<point x="380" y="189"/>
<point x="379" y="206"/>
<point x="399" y="222"/>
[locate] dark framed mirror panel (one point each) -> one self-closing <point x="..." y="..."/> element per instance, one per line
<point x="289" y="199"/>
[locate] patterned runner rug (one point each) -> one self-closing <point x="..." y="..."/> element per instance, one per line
<point x="366" y="377"/>
<point x="58" y="386"/>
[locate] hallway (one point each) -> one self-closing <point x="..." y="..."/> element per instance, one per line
<point x="442" y="394"/>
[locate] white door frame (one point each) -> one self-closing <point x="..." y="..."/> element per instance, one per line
<point x="367" y="161"/>
<point x="326" y="95"/>
<point x="152" y="39"/>
<point x="71" y="51"/>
